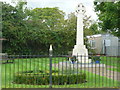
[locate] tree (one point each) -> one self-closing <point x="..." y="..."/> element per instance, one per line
<point x="45" y="24"/>
<point x="71" y="22"/>
<point x="48" y="17"/>
<point x="13" y="28"/>
<point x="31" y="31"/>
<point x="90" y="26"/>
<point x="109" y="17"/>
<point x="92" y="29"/>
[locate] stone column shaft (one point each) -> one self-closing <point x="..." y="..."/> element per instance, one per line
<point x="79" y="40"/>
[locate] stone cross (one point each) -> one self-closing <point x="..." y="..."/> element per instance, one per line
<point x="79" y="48"/>
<point x="80" y="10"/>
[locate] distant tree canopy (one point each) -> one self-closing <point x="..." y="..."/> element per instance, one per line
<point x="31" y="31"/>
<point x="109" y="16"/>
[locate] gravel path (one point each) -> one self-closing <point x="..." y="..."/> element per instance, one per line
<point x="105" y="72"/>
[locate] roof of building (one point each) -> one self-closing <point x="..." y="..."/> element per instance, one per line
<point x="99" y="35"/>
<point x="96" y="35"/>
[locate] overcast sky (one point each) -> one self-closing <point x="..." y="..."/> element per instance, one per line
<point x="66" y="5"/>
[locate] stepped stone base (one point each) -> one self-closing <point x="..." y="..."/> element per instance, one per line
<point x="82" y="54"/>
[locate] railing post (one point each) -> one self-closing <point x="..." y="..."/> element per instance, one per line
<point x="50" y="56"/>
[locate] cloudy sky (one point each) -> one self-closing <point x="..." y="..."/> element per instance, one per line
<point x="66" y="5"/>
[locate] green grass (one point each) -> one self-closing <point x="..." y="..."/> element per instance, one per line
<point x="114" y="69"/>
<point x="112" y="61"/>
<point x="20" y="65"/>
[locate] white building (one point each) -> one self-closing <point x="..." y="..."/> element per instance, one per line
<point x="105" y="44"/>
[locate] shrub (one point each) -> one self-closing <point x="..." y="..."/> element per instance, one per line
<point x="43" y="78"/>
<point x="96" y="58"/>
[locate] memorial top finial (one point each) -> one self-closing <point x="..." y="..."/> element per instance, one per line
<point x="80" y="8"/>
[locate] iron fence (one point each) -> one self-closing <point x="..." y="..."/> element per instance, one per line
<point x="62" y="71"/>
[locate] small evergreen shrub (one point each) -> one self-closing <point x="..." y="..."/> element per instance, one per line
<point x="96" y="58"/>
<point x="42" y="78"/>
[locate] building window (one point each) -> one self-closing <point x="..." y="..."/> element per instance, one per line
<point x="107" y="42"/>
<point x="92" y="43"/>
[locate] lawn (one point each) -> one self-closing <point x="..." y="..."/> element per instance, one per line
<point x="19" y="65"/>
<point x="112" y="61"/>
<point x="114" y="69"/>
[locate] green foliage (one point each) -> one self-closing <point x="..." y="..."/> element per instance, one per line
<point x="31" y="31"/>
<point x="13" y="29"/>
<point x="96" y="58"/>
<point x="49" y="17"/>
<point x="93" y="29"/>
<point x="42" y="78"/>
<point x="71" y="22"/>
<point x="109" y="17"/>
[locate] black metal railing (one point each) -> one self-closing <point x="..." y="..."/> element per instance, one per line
<point x="61" y="71"/>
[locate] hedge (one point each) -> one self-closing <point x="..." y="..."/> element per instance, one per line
<point x="43" y="78"/>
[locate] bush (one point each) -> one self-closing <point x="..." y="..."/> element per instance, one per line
<point x="43" y="78"/>
<point x="96" y="58"/>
